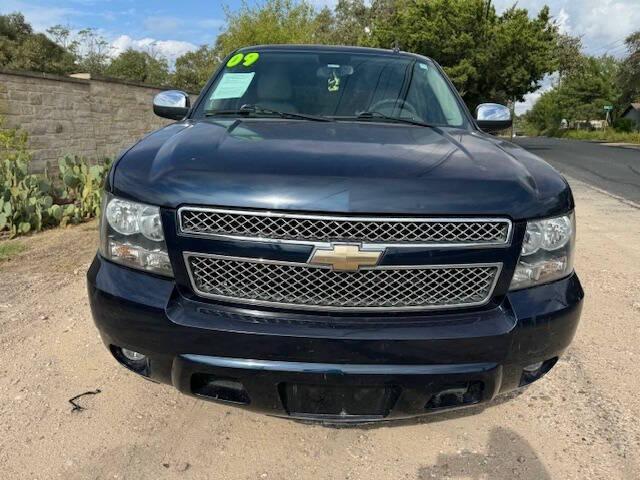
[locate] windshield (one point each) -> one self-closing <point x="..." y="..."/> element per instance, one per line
<point x="337" y="85"/>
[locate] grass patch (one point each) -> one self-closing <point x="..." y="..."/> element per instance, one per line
<point x="10" y="248"/>
<point x="604" y="136"/>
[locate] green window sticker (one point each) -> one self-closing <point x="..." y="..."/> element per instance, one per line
<point x="232" y="85"/>
<point x="249" y="59"/>
<point x="235" y="60"/>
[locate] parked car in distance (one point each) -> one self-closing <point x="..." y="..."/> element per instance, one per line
<point x="327" y="233"/>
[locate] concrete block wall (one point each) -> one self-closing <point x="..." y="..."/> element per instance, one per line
<point x="93" y="118"/>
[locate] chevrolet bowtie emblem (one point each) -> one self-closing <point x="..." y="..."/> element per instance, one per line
<point x="345" y="257"/>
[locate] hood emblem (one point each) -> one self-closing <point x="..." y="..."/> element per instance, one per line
<point x="345" y="257"/>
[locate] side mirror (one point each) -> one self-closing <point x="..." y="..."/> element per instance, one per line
<point x="493" y="117"/>
<point x="173" y="104"/>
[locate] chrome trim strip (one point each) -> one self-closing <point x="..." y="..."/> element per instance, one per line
<point x="337" y="368"/>
<point x="269" y="213"/>
<point x="296" y="306"/>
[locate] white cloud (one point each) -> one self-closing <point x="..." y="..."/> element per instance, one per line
<point x="563" y="22"/>
<point x="42" y="18"/>
<point x="530" y="99"/>
<point x="607" y="23"/>
<point x="602" y="24"/>
<point x="171" y="49"/>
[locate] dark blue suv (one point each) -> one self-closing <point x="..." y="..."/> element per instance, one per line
<point x="327" y="233"/>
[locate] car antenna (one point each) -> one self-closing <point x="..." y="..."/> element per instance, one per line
<point x="396" y="47"/>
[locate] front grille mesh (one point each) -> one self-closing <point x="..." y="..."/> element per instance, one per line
<point x="309" y="228"/>
<point x="303" y="286"/>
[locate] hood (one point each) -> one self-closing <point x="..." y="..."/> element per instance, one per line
<point x="346" y="167"/>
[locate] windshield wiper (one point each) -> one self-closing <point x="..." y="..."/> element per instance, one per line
<point x="410" y="121"/>
<point x="249" y="109"/>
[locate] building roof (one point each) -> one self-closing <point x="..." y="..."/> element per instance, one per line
<point x="633" y="106"/>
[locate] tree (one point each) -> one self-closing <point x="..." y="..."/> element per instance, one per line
<point x="274" y="21"/>
<point x="193" y="69"/>
<point x="92" y="51"/>
<point x="61" y="35"/>
<point x="352" y="19"/>
<point x="487" y="56"/>
<point x="137" y="66"/>
<point x="568" y="55"/>
<point x="14" y="27"/>
<point x="22" y="49"/>
<point x="580" y="96"/>
<point x="629" y="75"/>
<point x="584" y="93"/>
<point x="546" y="114"/>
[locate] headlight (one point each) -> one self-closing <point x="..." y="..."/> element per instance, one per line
<point x="131" y="234"/>
<point x="547" y="252"/>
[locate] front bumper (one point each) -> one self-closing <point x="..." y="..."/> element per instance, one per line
<point x="332" y="367"/>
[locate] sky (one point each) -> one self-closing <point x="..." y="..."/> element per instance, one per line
<point x="175" y="27"/>
<point x="602" y="24"/>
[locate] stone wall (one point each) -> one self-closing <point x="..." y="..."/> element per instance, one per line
<point x="94" y="118"/>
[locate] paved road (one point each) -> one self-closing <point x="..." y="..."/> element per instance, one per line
<point x="614" y="169"/>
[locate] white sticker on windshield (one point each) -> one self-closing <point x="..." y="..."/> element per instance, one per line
<point x="233" y="85"/>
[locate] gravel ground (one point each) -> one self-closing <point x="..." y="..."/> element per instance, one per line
<point x="580" y="422"/>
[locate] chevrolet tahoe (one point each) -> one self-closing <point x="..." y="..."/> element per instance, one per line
<point x="327" y="233"/>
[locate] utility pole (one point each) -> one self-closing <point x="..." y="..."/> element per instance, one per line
<point x="512" y="106"/>
<point x="608" y="109"/>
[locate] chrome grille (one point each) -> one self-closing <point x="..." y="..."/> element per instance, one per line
<point x="317" y="228"/>
<point x="298" y="285"/>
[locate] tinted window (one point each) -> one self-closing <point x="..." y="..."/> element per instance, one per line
<point x="338" y="85"/>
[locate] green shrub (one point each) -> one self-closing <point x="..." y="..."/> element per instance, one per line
<point x="29" y="202"/>
<point x="609" y="135"/>
<point x="24" y="198"/>
<point x="82" y="187"/>
<point x="553" y="132"/>
<point x="624" y="125"/>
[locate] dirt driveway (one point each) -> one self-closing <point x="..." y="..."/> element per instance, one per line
<point x="580" y="422"/>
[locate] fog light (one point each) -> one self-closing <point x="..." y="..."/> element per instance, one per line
<point x="131" y="359"/>
<point x="534" y="367"/>
<point x="133" y="356"/>
<point x="535" y="371"/>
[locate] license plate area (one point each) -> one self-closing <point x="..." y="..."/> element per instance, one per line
<point x="339" y="402"/>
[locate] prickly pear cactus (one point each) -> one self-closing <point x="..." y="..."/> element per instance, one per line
<point x="29" y="203"/>
<point x="20" y="195"/>
<point x="83" y="184"/>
